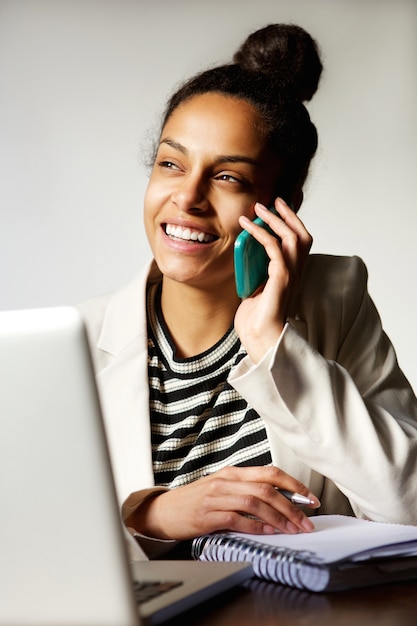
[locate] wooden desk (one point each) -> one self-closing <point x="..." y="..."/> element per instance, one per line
<point x="267" y="604"/>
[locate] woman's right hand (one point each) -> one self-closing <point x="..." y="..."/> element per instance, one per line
<point x="240" y="499"/>
<point x="260" y="318"/>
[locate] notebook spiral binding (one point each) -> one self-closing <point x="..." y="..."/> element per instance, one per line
<point x="269" y="563"/>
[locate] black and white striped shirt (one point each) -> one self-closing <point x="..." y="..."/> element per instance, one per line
<point x="199" y="423"/>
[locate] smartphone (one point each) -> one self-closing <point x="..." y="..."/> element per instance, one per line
<point x="251" y="260"/>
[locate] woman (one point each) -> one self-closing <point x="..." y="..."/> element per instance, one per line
<point x="212" y="404"/>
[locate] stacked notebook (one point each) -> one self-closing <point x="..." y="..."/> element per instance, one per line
<point x="342" y="552"/>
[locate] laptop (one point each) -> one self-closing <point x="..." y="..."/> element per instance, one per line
<point x="63" y="548"/>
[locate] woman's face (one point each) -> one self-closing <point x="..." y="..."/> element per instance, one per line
<point x="212" y="165"/>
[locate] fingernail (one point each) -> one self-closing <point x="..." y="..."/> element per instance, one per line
<point x="316" y="501"/>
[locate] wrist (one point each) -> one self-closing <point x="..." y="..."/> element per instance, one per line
<point x="145" y="518"/>
<point x="258" y="347"/>
<point x="136" y="509"/>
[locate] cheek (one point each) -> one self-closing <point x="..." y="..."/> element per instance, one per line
<point x="146" y="223"/>
<point x="250" y="212"/>
<point x="157" y="194"/>
<point x="149" y="211"/>
<point x="233" y="227"/>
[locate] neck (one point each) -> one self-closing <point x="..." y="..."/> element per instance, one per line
<point x="197" y="319"/>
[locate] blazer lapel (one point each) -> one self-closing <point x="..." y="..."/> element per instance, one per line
<point x="123" y="386"/>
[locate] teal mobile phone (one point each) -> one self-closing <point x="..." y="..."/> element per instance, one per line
<point x="251" y="261"/>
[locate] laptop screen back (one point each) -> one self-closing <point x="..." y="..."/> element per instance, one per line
<point x="62" y="549"/>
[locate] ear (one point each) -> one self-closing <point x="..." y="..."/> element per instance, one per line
<point x="297" y="199"/>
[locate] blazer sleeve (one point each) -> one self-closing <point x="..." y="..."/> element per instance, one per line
<point x="338" y="399"/>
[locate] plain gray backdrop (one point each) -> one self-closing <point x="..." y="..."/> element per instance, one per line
<point x="82" y="86"/>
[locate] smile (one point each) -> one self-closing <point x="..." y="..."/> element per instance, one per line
<point x="187" y="234"/>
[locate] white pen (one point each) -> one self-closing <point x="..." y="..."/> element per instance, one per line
<point x="296" y="498"/>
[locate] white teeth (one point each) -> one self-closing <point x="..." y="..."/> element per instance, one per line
<point x="187" y="234"/>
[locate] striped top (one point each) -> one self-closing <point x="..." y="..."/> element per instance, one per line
<point x="199" y="423"/>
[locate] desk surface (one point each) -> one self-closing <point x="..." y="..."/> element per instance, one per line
<point x="268" y="604"/>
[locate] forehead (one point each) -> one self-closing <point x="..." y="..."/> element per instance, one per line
<point x="220" y="122"/>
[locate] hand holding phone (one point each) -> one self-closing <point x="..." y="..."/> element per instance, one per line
<point x="251" y="260"/>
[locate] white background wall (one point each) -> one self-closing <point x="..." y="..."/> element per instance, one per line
<point x="82" y="84"/>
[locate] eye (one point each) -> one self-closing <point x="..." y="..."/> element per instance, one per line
<point x="231" y="178"/>
<point x="169" y="165"/>
<point x="228" y="177"/>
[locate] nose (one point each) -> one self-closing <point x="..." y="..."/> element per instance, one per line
<point x="190" y="195"/>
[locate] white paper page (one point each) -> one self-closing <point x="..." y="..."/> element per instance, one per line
<point x="337" y="537"/>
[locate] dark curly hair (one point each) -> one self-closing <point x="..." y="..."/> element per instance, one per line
<point x="276" y="69"/>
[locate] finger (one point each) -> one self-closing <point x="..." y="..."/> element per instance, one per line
<point x="271" y="243"/>
<point x="259" y="499"/>
<point x="270" y="474"/>
<point x="259" y="232"/>
<point x="265" y="491"/>
<point x="287" y="225"/>
<point x="236" y="522"/>
<point x="275" y="511"/>
<point x="294" y="223"/>
<point x="281" y="225"/>
<point x="294" y="241"/>
<point x="297" y="242"/>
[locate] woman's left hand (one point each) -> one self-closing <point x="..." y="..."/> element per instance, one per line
<point x="261" y="317"/>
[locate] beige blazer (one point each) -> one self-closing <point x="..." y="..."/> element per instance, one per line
<point x="339" y="413"/>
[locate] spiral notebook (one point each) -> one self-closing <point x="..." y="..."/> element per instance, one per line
<point x="341" y="553"/>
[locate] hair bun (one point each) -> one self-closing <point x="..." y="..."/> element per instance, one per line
<point x="287" y="55"/>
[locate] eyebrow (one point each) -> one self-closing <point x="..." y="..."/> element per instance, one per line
<point x="223" y="158"/>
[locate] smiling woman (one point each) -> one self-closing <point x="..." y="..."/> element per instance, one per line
<point x="213" y="404"/>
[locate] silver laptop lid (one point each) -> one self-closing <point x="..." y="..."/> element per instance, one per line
<point x="56" y="489"/>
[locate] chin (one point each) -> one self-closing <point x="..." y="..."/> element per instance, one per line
<point x="179" y="272"/>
